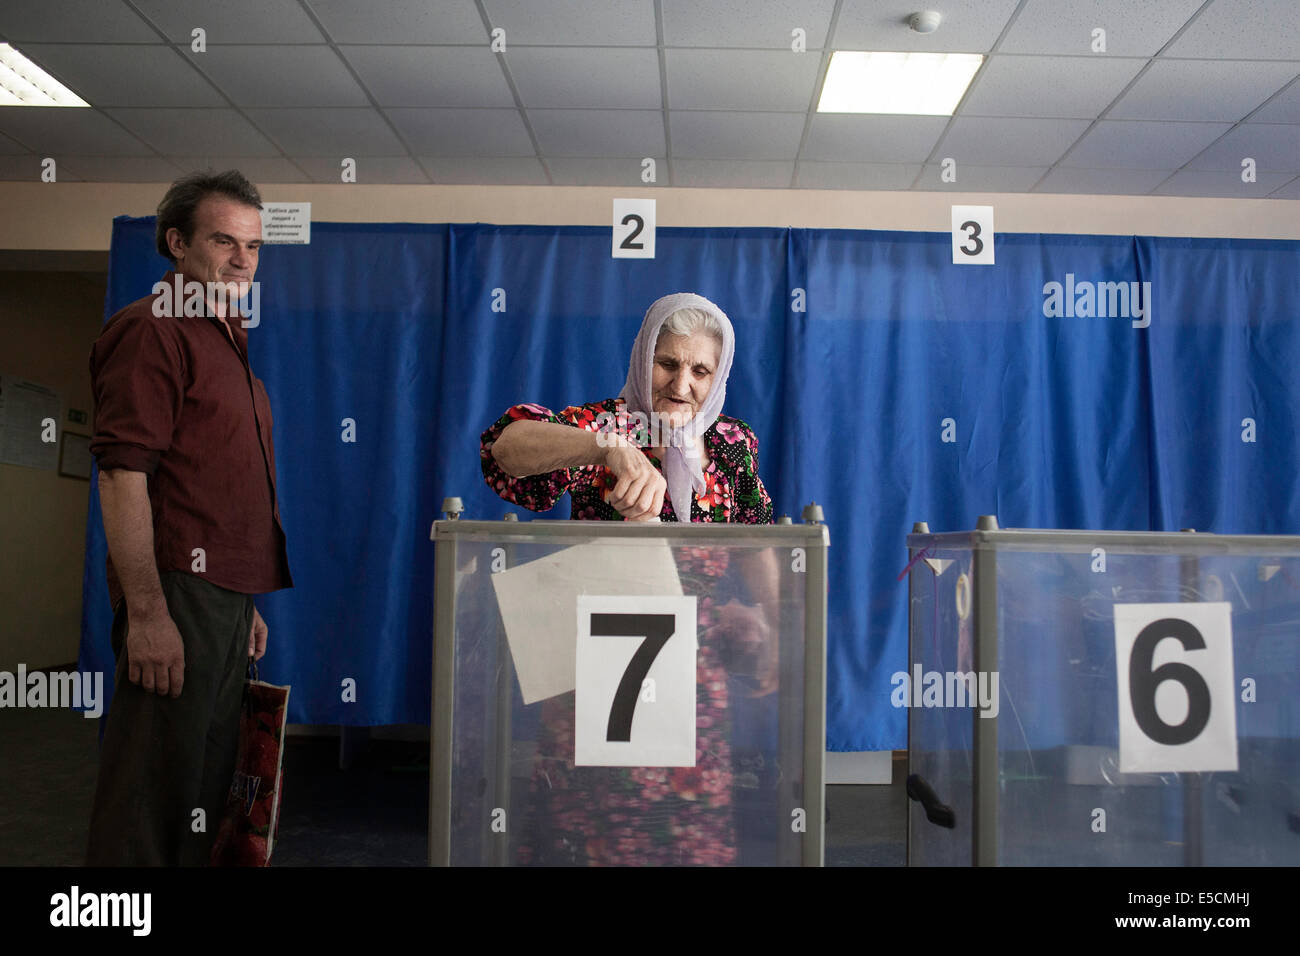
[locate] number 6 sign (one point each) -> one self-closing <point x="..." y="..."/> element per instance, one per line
<point x="1177" y="701"/>
<point x="635" y="699"/>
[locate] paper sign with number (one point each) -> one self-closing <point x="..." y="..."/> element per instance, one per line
<point x="635" y="700"/>
<point x="972" y="235"/>
<point x="1177" y="700"/>
<point x="634" y="228"/>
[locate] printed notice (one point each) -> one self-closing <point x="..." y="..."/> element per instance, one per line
<point x="538" y="601"/>
<point x="29" y="415"/>
<point x="286" y="223"/>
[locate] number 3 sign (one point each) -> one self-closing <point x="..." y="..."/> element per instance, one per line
<point x="635" y="700"/>
<point x="1177" y="701"/>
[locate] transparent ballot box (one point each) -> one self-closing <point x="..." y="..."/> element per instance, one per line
<point x="644" y="694"/>
<point x="1103" y="698"/>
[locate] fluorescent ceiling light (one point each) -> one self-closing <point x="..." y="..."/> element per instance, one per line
<point x="929" y="84"/>
<point x="23" y="83"/>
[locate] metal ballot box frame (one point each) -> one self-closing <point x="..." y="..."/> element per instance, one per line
<point x="1136" y="698"/>
<point x="499" y="796"/>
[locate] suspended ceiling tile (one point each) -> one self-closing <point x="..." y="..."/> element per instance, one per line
<point x="54" y="130"/>
<point x="9" y="147"/>
<point x="449" y="132"/>
<point x="872" y="138"/>
<point x="740" y="79"/>
<point x="486" y="171"/>
<point x="1009" y="142"/>
<point x="1272" y="146"/>
<point x="280" y="76"/>
<point x="732" y="174"/>
<point x="374" y="170"/>
<point x="969" y="26"/>
<point x="121" y="169"/>
<point x="567" y="78"/>
<point x="28" y="169"/>
<point x="1284" y="108"/>
<point x="981" y="179"/>
<point x="1136" y="144"/>
<point x="140" y="75"/>
<point x="328" y="133"/>
<point x="1226" y="183"/>
<point x="1046" y="86"/>
<point x="604" y="171"/>
<point x="430" y="76"/>
<point x="185" y="132"/>
<point x="633" y="133"/>
<point x="1243" y="29"/>
<point x="401" y="21"/>
<point x="856" y="176"/>
<point x="1133" y="27"/>
<point x="1204" y="90"/>
<point x="1102" y="182"/>
<point x="73" y="21"/>
<point x="574" y="22"/>
<point x="754" y="24"/>
<point x="739" y="136"/>
<point x="232" y="21"/>
<point x="258" y="169"/>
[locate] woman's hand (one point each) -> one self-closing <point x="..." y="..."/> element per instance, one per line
<point x="638" y="494"/>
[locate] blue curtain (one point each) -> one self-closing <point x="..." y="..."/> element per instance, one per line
<point x="883" y="382"/>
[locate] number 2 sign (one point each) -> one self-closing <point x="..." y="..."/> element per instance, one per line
<point x="1177" y="701"/>
<point x="635" y="696"/>
<point x="634" y="229"/>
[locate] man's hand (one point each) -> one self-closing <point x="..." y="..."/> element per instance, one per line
<point x="638" y="495"/>
<point x="751" y="641"/>
<point x="257" y="636"/>
<point x="155" y="654"/>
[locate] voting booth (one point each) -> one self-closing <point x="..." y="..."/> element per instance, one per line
<point x="611" y="693"/>
<point x="1102" y="698"/>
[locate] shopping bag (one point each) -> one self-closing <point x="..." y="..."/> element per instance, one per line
<point x="246" y="834"/>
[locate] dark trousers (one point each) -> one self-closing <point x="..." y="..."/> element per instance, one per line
<point x="163" y="759"/>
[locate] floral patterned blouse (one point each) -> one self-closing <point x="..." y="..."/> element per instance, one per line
<point x="643" y="816"/>
<point x="733" y="491"/>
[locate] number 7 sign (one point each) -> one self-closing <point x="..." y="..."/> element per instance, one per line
<point x="635" y="680"/>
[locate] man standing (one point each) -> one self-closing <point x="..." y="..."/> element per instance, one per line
<point x="187" y="490"/>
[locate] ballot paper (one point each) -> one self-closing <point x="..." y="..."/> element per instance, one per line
<point x="539" y="602"/>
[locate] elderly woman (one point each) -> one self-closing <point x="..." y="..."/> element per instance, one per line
<point x="703" y="465"/>
<point x="680" y="458"/>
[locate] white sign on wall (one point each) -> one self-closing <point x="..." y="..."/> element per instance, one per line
<point x="972" y="235"/>
<point x="634" y="229"/>
<point x="1177" y="693"/>
<point x="635" y="700"/>
<point x="286" y="223"/>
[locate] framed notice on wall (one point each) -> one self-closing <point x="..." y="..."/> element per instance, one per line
<point x="74" y="456"/>
<point x="29" y="415"/>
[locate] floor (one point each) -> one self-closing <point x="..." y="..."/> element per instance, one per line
<point x="373" y="814"/>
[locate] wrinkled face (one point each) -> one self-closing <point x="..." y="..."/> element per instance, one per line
<point x="684" y="367"/>
<point x="225" y="244"/>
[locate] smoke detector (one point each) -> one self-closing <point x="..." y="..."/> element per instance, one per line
<point x="925" y="22"/>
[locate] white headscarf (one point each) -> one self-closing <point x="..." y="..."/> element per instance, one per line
<point x="683" y="469"/>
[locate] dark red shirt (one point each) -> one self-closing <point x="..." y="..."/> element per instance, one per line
<point x="176" y="399"/>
